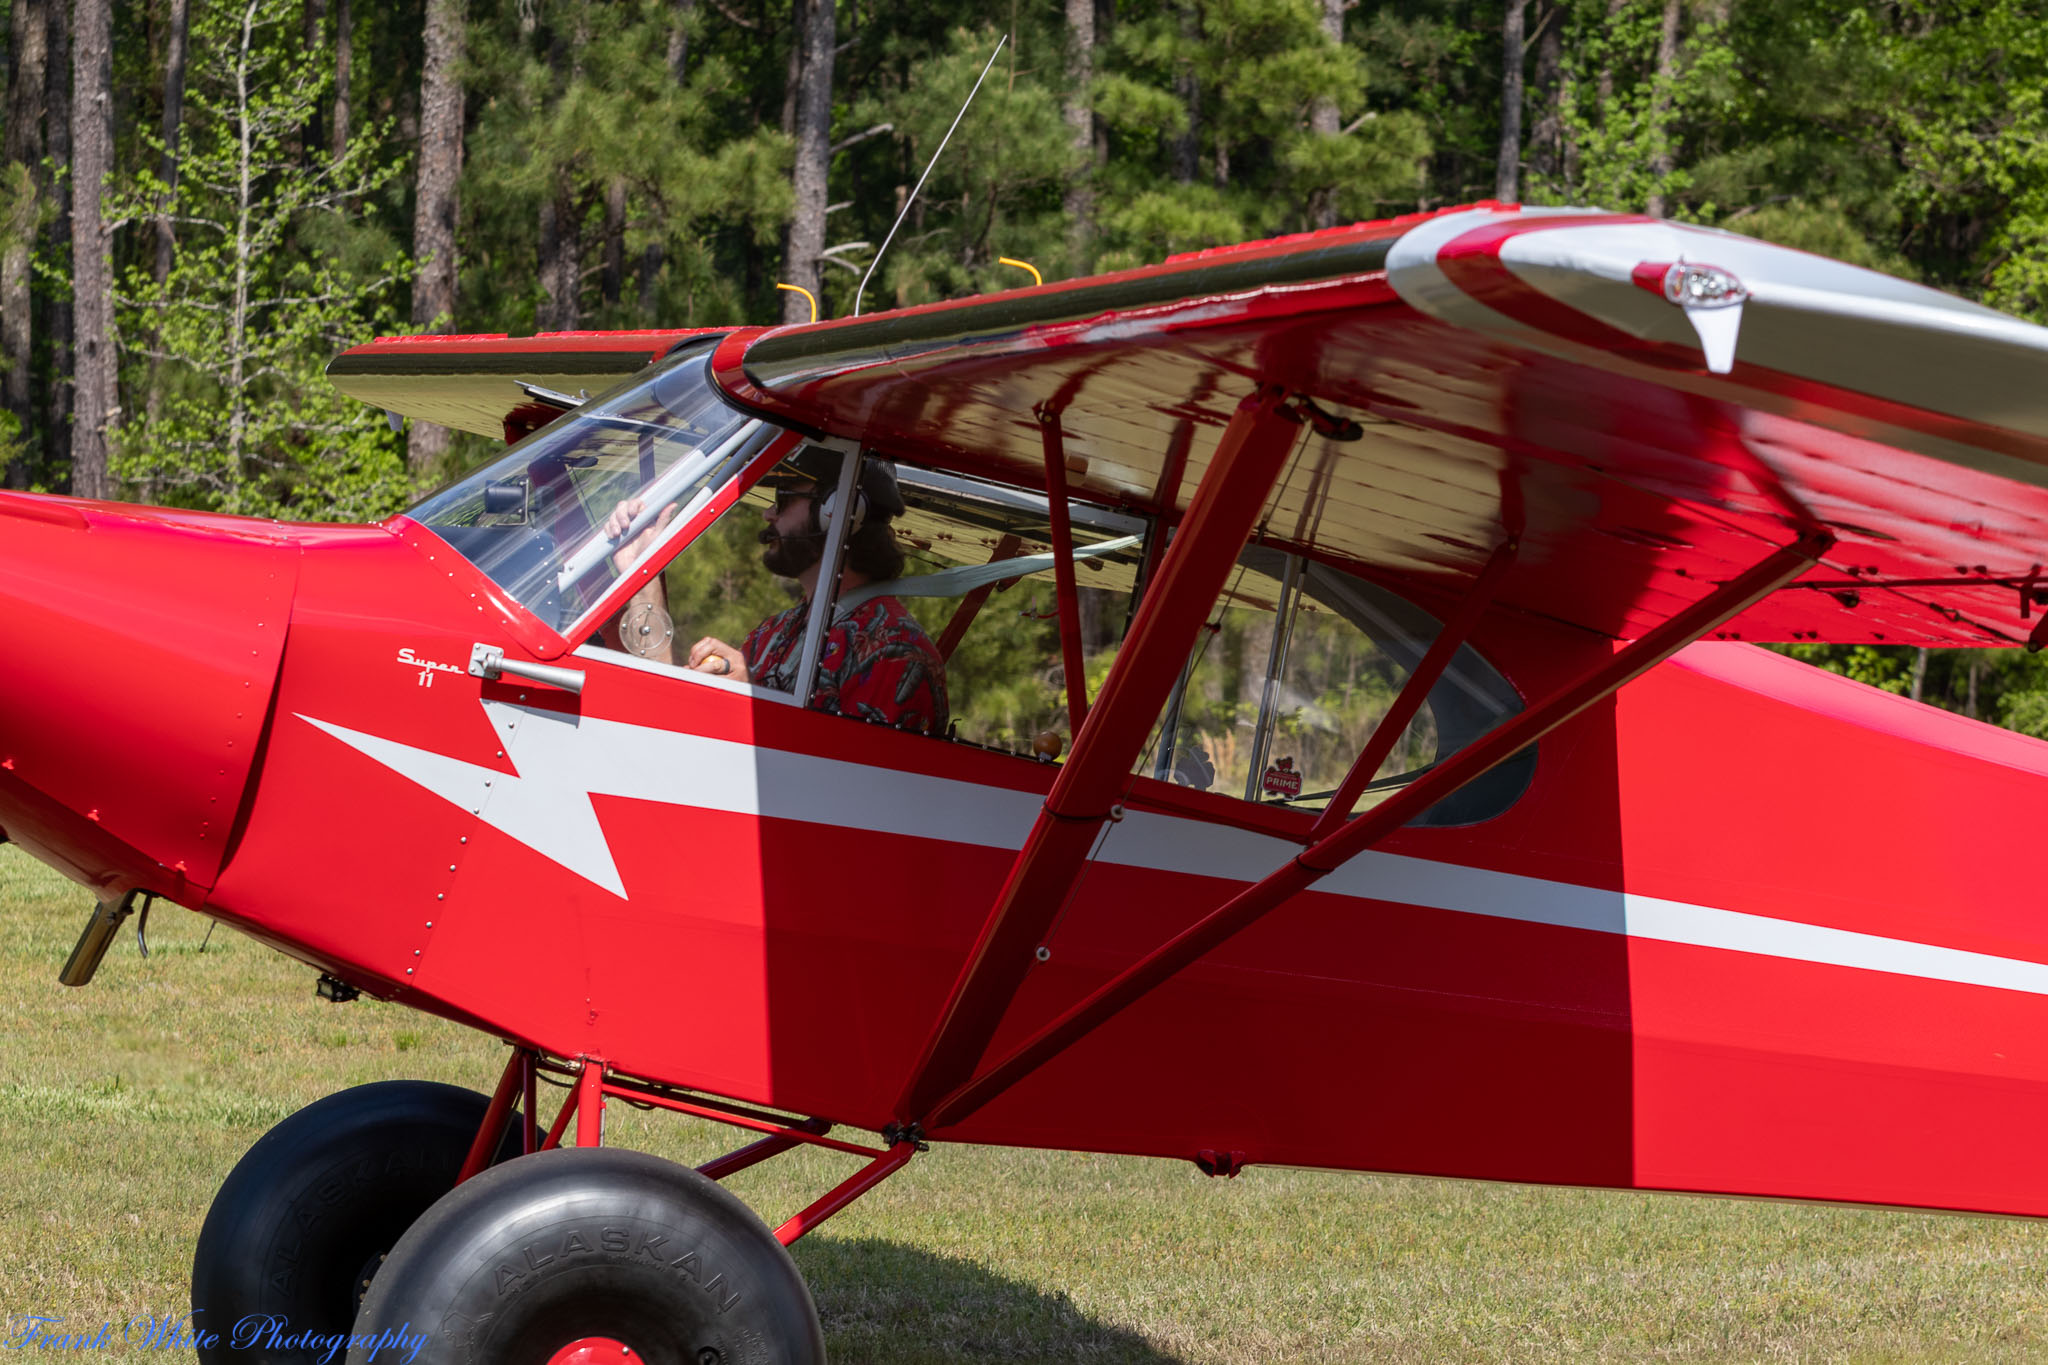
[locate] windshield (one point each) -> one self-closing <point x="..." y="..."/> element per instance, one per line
<point x="534" y="519"/>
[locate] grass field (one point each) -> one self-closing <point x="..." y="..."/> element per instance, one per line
<point x="123" y="1105"/>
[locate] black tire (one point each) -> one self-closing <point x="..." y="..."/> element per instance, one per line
<point x="598" y="1242"/>
<point x="305" y="1216"/>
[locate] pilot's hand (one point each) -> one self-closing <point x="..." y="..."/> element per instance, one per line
<point x="621" y="518"/>
<point x="719" y="659"/>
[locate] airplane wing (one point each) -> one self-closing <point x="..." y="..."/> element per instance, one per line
<point x="487" y="384"/>
<point x="1647" y="407"/>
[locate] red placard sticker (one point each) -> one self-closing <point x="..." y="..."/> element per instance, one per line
<point x="1282" y="779"/>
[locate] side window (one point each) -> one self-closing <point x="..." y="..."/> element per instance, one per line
<point x="945" y="621"/>
<point x="1296" y="668"/>
<point x="980" y="579"/>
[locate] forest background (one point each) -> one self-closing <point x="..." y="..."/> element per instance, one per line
<point x="202" y="201"/>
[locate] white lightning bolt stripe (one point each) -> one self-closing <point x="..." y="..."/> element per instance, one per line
<point x="563" y="760"/>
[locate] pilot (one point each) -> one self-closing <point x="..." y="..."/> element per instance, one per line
<point x="877" y="663"/>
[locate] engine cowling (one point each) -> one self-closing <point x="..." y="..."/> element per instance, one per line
<point x="139" y="650"/>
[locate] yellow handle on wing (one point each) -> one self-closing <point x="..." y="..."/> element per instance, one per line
<point x="1036" y="278"/>
<point x="813" y="298"/>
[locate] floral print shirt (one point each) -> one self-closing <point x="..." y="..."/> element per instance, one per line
<point x="877" y="665"/>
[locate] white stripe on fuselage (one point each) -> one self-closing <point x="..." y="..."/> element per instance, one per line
<point x="562" y="761"/>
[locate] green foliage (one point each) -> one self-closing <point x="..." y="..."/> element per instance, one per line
<point x="996" y="191"/>
<point x="571" y="100"/>
<point x="273" y="275"/>
<point x="1258" y="68"/>
<point x="1972" y="126"/>
<point x="1623" y="114"/>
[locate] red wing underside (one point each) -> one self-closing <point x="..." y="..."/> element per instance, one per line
<point x="1634" y="477"/>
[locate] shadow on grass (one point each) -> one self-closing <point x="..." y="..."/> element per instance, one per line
<point x="884" y="1303"/>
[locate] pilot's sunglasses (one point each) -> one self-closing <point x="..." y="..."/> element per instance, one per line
<point x="785" y="498"/>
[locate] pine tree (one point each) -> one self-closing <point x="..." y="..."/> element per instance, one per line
<point x="271" y="279"/>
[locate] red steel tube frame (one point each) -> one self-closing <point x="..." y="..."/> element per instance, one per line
<point x="970" y="605"/>
<point x="1437" y="658"/>
<point x="585" y="1102"/>
<point x="590" y="1103"/>
<point x="1498" y="745"/>
<point x="853" y="1187"/>
<point x="530" y="1095"/>
<point x="1164" y="495"/>
<point x="1065" y="589"/>
<point x="703" y="1111"/>
<point x="1227" y="504"/>
<point x="495" y="1116"/>
<point x="561" y="1123"/>
<point x="718" y="1168"/>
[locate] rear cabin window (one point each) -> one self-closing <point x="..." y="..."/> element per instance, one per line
<point x="1292" y="674"/>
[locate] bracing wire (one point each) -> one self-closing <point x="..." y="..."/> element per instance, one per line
<point x="905" y="210"/>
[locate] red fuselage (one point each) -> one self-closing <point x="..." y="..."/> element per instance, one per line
<point x="1751" y="928"/>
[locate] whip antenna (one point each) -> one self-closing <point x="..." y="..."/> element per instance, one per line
<point x="904" y="212"/>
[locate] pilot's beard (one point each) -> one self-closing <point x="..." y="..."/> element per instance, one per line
<point x="788" y="556"/>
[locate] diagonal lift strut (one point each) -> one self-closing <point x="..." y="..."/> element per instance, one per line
<point x="1227" y="504"/>
<point x="1347" y="840"/>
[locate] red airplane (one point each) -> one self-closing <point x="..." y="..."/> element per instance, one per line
<point x="1418" y="801"/>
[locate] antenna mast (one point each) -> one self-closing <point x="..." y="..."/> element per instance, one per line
<point x="927" y="174"/>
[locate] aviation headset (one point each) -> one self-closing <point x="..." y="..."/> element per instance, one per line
<point x="824" y="497"/>
<point x="825" y="508"/>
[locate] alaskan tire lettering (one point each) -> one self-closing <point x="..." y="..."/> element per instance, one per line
<point x="580" y="1242"/>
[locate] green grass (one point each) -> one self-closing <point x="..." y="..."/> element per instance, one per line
<point x="123" y="1105"/>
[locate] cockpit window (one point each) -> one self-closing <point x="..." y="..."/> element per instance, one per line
<point x="534" y="520"/>
<point x="1297" y="666"/>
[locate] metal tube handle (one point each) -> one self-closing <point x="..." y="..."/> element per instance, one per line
<point x="489" y="662"/>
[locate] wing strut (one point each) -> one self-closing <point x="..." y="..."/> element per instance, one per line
<point x="1226" y="506"/>
<point x="1319" y="859"/>
<point x="1063" y="571"/>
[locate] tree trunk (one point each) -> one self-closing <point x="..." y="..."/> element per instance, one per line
<point x="1661" y="161"/>
<point x="1919" y="672"/>
<point x="1970" y="699"/>
<point x="57" y="241"/>
<point x="1080" y="115"/>
<point x="344" y="59"/>
<point x="813" y="158"/>
<point x="1323" y="122"/>
<point x="316" y="33"/>
<point x="1546" y="136"/>
<point x="1507" y="169"/>
<point x="650" y="283"/>
<point x="793" y="74"/>
<point x="433" y="223"/>
<point x="22" y="142"/>
<point x="651" y="255"/>
<point x="614" y="241"/>
<point x="679" y="40"/>
<point x="1187" y="148"/>
<point x="174" y="115"/>
<point x="242" y="248"/>
<point x="561" y="260"/>
<point x="92" y="267"/>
